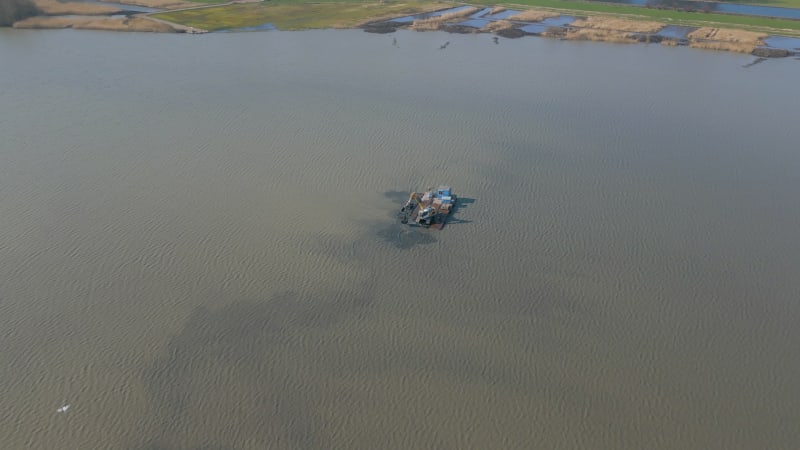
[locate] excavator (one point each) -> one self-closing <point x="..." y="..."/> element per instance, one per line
<point x="424" y="216"/>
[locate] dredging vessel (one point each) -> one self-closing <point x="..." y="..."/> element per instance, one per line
<point x="429" y="209"/>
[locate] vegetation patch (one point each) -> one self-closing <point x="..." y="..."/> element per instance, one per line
<point x="730" y="40"/>
<point x="289" y="15"/>
<point x="622" y="31"/>
<point x="595" y="34"/>
<point x="724" y="46"/>
<point x="162" y="4"/>
<point x="534" y="15"/>
<point x="739" y="36"/>
<point x="434" y="23"/>
<point x="211" y="2"/>
<point x="498" y="25"/>
<point x="95" y="23"/>
<point x="55" y="8"/>
<point x="778" y="26"/>
<point x="297" y="15"/>
<point x="780" y="3"/>
<point x="617" y="24"/>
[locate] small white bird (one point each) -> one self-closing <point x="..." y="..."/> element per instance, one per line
<point x="63" y="409"/>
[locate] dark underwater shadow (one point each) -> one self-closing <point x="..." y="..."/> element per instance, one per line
<point x="244" y="364"/>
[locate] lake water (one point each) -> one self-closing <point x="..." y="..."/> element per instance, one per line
<point x="198" y="244"/>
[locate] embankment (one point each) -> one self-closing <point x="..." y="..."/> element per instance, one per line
<point x="56" y="8"/>
<point x="142" y="24"/>
<point x="722" y="39"/>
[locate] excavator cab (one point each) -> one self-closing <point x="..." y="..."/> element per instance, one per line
<point x="425" y="216"/>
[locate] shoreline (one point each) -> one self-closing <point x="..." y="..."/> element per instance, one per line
<point x="461" y="19"/>
<point x="593" y="28"/>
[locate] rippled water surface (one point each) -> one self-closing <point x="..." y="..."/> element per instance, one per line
<point x="198" y="246"/>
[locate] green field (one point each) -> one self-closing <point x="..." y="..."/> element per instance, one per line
<point x="210" y="2"/>
<point x="675" y="17"/>
<point x="299" y="14"/>
<point x="780" y="3"/>
<point x="294" y="15"/>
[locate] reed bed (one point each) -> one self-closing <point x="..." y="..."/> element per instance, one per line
<point x="739" y="41"/>
<point x="498" y="25"/>
<point x="728" y="35"/>
<point x="51" y="22"/>
<point x="616" y="24"/>
<point x="434" y="23"/>
<point x="164" y="4"/>
<point x="592" y="34"/>
<point x="56" y="8"/>
<point x="738" y="47"/>
<point x="534" y="15"/>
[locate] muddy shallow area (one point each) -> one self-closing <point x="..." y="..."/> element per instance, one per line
<point x="515" y="24"/>
<point x="501" y="22"/>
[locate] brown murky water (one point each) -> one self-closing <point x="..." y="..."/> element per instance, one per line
<point x="198" y="247"/>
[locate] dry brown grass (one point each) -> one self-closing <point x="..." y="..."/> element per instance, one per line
<point x="738" y="47"/>
<point x="534" y="15"/>
<point x="589" y="34"/>
<point x="433" y="23"/>
<point x="728" y="35"/>
<point x="739" y="41"/>
<point x="616" y="24"/>
<point x="51" y="22"/>
<point x="95" y="23"/>
<point x="139" y="23"/>
<point x="55" y="8"/>
<point x="422" y="8"/>
<point x="498" y="25"/>
<point x="164" y="4"/>
<point x="497" y="10"/>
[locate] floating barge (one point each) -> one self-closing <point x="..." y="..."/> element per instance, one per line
<point x="429" y="209"/>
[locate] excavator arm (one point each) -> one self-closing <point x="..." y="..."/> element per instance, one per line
<point x="413" y="201"/>
<point x="425" y="214"/>
<point x="408" y="207"/>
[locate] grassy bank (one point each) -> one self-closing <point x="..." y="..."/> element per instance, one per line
<point x="661" y="15"/>
<point x="57" y="8"/>
<point x="299" y="14"/>
<point x="778" y="3"/>
<point x="293" y="15"/>
<point x="140" y="24"/>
